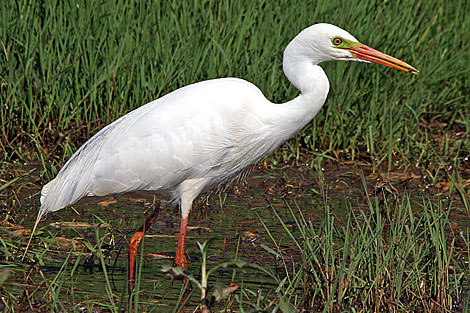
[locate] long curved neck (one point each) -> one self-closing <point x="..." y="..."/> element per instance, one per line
<point x="303" y="72"/>
<point x="300" y="65"/>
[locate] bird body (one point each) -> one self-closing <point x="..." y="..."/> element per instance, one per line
<point x="184" y="143"/>
<point x="204" y="134"/>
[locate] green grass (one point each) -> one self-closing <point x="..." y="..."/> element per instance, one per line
<point x="388" y="259"/>
<point x="69" y="68"/>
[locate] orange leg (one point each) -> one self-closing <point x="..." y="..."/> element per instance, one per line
<point x="180" y="260"/>
<point x="134" y="243"/>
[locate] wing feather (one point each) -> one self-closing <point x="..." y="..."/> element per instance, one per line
<point x="205" y="130"/>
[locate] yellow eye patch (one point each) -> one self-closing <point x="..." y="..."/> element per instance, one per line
<point x="339" y="42"/>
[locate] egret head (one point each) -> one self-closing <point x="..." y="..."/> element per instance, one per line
<point x="326" y="42"/>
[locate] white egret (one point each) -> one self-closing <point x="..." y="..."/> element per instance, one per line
<point x="205" y="134"/>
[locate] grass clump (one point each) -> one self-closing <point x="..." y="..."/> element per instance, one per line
<point x="385" y="259"/>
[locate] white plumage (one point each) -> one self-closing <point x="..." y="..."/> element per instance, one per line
<point x="204" y="134"/>
<point x="185" y="142"/>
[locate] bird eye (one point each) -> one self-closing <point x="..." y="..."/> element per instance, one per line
<point x="337" y="41"/>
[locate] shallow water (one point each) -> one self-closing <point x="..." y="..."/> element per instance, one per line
<point x="232" y="219"/>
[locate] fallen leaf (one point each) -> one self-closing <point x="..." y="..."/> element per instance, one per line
<point x="158" y="236"/>
<point x="107" y="202"/>
<point x="71" y="225"/>
<point x="159" y="256"/>
<point x="67" y="243"/>
<point x="199" y="228"/>
<point x="444" y="185"/>
<point x="22" y="232"/>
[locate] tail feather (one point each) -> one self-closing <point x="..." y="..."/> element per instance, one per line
<point x="45" y="189"/>
<point x="41" y="213"/>
<point x="74" y="180"/>
<point x="57" y="194"/>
